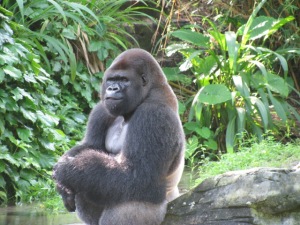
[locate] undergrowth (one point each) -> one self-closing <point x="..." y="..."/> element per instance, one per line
<point x="267" y="153"/>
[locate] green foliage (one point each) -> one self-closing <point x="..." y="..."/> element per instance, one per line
<point x="27" y="125"/>
<point x="70" y="31"/>
<point x="43" y="105"/>
<point x="240" y="88"/>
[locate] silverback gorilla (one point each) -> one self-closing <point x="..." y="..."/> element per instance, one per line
<point x="130" y="161"/>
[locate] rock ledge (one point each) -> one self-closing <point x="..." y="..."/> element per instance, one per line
<point x="257" y="196"/>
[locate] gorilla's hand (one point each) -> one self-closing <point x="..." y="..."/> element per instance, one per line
<point x="68" y="196"/>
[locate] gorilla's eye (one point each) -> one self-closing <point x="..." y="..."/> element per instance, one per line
<point x="124" y="79"/>
<point x="118" y="79"/>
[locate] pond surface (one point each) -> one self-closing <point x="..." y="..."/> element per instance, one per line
<point x="35" y="215"/>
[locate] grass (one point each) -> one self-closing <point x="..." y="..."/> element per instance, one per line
<point x="268" y="153"/>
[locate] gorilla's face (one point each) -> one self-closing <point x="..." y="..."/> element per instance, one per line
<point x="122" y="90"/>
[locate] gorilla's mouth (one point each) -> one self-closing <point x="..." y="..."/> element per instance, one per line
<point x="112" y="98"/>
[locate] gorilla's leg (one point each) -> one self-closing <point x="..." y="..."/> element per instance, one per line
<point x="87" y="211"/>
<point x="134" y="213"/>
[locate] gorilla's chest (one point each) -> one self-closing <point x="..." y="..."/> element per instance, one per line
<point x="116" y="136"/>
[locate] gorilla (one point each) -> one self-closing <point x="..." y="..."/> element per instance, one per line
<point x="129" y="163"/>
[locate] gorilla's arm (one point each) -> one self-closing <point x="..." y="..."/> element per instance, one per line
<point x="153" y="141"/>
<point x="98" y="123"/>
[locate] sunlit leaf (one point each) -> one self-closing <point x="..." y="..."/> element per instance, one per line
<point x="214" y="94"/>
<point x="241" y="86"/>
<point x="233" y="48"/>
<point x="192" y="37"/>
<point x="230" y="135"/>
<point x="13" y="72"/>
<point x="191" y="146"/>
<point x="212" y="144"/>
<point x="278" y="107"/>
<point x="277" y="84"/>
<point x="262" y="110"/>
<point x="48" y="120"/>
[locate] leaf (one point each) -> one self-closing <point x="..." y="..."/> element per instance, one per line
<point x="246" y="33"/>
<point x="279" y="23"/>
<point x="204" y="132"/>
<point x="281" y="58"/>
<point x="261" y="67"/>
<point x="192" y="37"/>
<point x="102" y="54"/>
<point x="220" y="38"/>
<point x="294" y="112"/>
<point x="2" y="125"/>
<point x="214" y="94"/>
<point x="11" y="105"/>
<point x="13" y="72"/>
<point x="191" y="146"/>
<point x="24" y="93"/>
<point x="241" y="86"/>
<point x="207" y="65"/>
<point x="278" y="107"/>
<point x="59" y="9"/>
<point x="172" y="49"/>
<point x="47" y="119"/>
<point x="212" y="144"/>
<point x="2" y="76"/>
<point x="173" y="74"/>
<point x="10" y="159"/>
<point x="28" y="114"/>
<point x="52" y="90"/>
<point x="95" y="46"/>
<point x="24" y="134"/>
<point x="262" y="110"/>
<point x="233" y="48"/>
<point x="69" y="33"/>
<point x="230" y="135"/>
<point x="260" y="27"/>
<point x="241" y="112"/>
<point x="47" y="144"/>
<point x="277" y="84"/>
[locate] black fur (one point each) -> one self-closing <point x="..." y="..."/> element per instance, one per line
<point x="105" y="183"/>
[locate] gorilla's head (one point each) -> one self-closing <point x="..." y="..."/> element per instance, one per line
<point x="130" y="80"/>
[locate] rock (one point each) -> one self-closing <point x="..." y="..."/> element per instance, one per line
<point x="265" y="196"/>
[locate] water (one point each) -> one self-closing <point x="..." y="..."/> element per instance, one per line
<point x="35" y="215"/>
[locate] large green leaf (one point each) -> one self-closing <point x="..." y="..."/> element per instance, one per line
<point x="279" y="108"/>
<point x="13" y="72"/>
<point x="24" y="134"/>
<point x="262" y="110"/>
<point x="232" y="47"/>
<point x="192" y="37"/>
<point x="241" y="86"/>
<point x="230" y="135"/>
<point x="48" y="120"/>
<point x="214" y="94"/>
<point x="277" y="84"/>
<point x="245" y="33"/>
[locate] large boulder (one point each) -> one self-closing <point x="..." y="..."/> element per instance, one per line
<point x="266" y="196"/>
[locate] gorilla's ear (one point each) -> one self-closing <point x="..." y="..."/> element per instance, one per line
<point x="145" y="79"/>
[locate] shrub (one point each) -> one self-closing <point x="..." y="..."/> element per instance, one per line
<point x="240" y="89"/>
